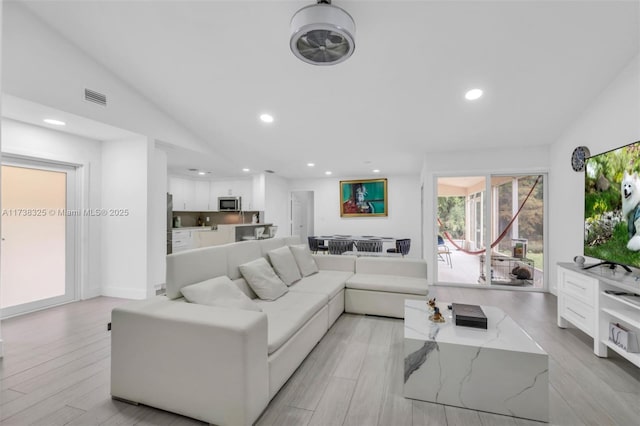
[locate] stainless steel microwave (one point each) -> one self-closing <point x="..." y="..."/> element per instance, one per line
<point x="229" y="204"/>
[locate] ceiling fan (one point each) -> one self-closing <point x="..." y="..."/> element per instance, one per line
<point x="322" y="34"/>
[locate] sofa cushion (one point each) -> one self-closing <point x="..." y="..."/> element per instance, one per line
<point x="262" y="279"/>
<point x="239" y="253"/>
<point x="388" y="283"/>
<point x="269" y="244"/>
<point x="304" y="260"/>
<point x="219" y="291"/>
<point x="288" y="314"/>
<point x="194" y="266"/>
<point x="285" y="265"/>
<point x="335" y="262"/>
<point x="243" y="285"/>
<point x="324" y="282"/>
<point x="416" y="268"/>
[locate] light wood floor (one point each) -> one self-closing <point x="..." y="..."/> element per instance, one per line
<point x="56" y="371"/>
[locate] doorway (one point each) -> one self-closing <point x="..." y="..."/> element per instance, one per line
<point x="302" y="214"/>
<point x="493" y="229"/>
<point x="38" y="258"/>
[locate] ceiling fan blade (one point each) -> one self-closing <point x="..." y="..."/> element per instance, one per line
<point x="333" y="55"/>
<point x="335" y="38"/>
<point x="318" y="37"/>
<point x="308" y="42"/>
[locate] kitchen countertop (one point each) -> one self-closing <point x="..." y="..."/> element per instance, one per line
<point x="192" y="228"/>
<point x="210" y="227"/>
<point x="250" y="224"/>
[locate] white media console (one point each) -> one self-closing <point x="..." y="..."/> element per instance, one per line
<point x="583" y="301"/>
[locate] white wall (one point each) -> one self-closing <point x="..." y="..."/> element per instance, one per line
<point x="157" y="229"/>
<point x="403" y="220"/>
<point x="1" y="139"/>
<point x="612" y="120"/>
<point x="471" y="163"/>
<point x="42" y="66"/>
<point x="134" y="178"/>
<point x="41" y="143"/>
<point x="125" y="238"/>
<point x="276" y="203"/>
<point x="258" y="192"/>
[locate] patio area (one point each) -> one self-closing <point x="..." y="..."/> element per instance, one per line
<point x="504" y="211"/>
<point x="465" y="269"/>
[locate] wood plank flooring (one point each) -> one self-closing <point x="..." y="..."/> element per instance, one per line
<point x="56" y="372"/>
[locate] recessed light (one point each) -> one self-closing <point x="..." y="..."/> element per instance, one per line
<point x="201" y="173"/>
<point x="311" y="164"/>
<point x="376" y="171"/>
<point x="246" y="170"/>
<point x="327" y="173"/>
<point x="266" y="118"/>
<point x="54" y="122"/>
<point x="473" y="94"/>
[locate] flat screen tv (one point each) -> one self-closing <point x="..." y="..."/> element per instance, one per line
<point x="612" y="207"/>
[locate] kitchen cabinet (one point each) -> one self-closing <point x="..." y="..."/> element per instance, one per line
<point x="184" y="193"/>
<point x="191" y="195"/>
<point x="202" y="196"/>
<point x="182" y="240"/>
<point x="233" y="188"/>
<point x="216" y="237"/>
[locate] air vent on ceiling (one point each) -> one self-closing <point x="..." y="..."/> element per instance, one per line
<point x="269" y="171"/>
<point x="95" y="97"/>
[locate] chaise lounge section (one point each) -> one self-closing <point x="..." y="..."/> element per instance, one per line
<point x="223" y="365"/>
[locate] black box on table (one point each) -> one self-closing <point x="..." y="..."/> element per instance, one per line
<point x="469" y="315"/>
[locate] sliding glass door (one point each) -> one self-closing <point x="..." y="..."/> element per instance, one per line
<point x="491" y="230"/>
<point x="38" y="236"/>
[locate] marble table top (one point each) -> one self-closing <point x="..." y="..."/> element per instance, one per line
<point x="502" y="332"/>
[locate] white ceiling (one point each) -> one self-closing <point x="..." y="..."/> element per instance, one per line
<point x="34" y="113"/>
<point x="216" y="65"/>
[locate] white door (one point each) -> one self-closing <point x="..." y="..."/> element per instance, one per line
<point x="302" y="214"/>
<point x="38" y="261"/>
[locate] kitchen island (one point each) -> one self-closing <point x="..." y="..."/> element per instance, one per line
<point x="188" y="238"/>
<point x="248" y="230"/>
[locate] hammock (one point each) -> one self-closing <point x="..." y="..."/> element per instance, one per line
<point x="502" y="234"/>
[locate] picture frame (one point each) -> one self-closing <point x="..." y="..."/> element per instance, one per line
<point x="363" y="198"/>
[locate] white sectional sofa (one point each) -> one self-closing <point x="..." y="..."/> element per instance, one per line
<point x="223" y="365"/>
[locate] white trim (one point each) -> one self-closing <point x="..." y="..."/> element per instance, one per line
<point x="124" y="292"/>
<point x="72" y="238"/>
<point x="83" y="170"/>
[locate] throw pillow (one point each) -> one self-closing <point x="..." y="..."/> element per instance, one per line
<point x="285" y="265"/>
<point x="262" y="279"/>
<point x="220" y="291"/>
<point x="305" y="261"/>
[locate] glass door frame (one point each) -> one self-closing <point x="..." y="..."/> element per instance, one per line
<point x="488" y="220"/>
<point x="72" y="228"/>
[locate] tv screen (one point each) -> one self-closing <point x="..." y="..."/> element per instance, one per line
<point x="612" y="206"/>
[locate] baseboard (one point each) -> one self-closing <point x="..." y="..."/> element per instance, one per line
<point x="124" y="293"/>
<point x="91" y="293"/>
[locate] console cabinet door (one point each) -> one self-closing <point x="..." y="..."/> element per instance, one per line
<point x="576" y="300"/>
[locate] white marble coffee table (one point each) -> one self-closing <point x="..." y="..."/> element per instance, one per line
<point x="500" y="370"/>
